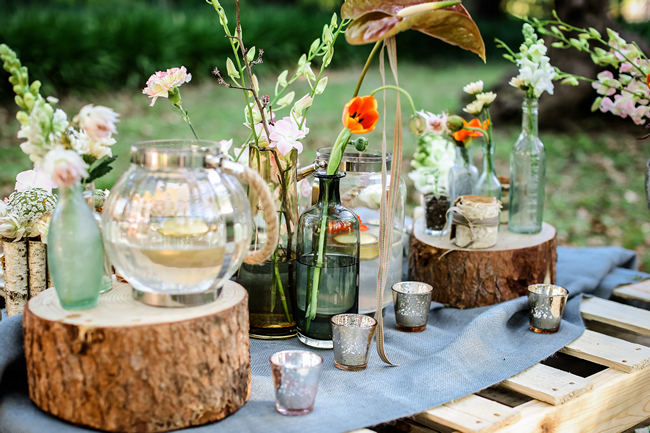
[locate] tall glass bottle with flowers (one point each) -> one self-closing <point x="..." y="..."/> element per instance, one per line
<point x="488" y="183"/>
<point x="527" y="157"/>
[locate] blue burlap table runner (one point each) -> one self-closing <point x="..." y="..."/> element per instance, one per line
<point x="460" y="352"/>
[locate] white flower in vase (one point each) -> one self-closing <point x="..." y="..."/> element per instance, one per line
<point x="65" y="167"/>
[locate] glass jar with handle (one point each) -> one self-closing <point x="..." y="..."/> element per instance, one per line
<point x="177" y="223"/>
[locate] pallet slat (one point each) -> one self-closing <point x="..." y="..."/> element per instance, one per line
<point x="638" y="291"/>
<point x="613" y="313"/>
<point x="471" y="414"/>
<point x="548" y="384"/>
<point x="609" y="351"/>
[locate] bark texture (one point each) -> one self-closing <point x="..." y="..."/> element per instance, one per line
<point x="465" y="278"/>
<point x="130" y="377"/>
<point x="16" y="276"/>
<point x="37" y="262"/>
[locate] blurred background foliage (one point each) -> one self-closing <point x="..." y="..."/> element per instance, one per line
<point x="102" y="51"/>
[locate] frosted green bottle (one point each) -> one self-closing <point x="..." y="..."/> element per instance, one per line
<point x="527" y="175"/>
<point x="75" y="255"/>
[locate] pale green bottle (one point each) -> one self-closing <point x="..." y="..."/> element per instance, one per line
<point x="75" y="255"/>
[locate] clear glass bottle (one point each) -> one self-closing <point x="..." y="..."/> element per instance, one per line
<point x="327" y="265"/>
<point x="488" y="183"/>
<point x="527" y="175"/>
<point x="75" y="255"/>
<point x="270" y="284"/>
<point x="463" y="175"/>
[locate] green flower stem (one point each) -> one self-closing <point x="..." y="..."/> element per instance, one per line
<point x="397" y="89"/>
<point x="332" y="167"/>
<point x="186" y="117"/>
<point x="367" y="66"/>
<point x="283" y="298"/>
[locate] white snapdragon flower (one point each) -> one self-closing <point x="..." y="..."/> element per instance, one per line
<point x="517" y="82"/>
<point x="474" y="107"/>
<point x="65" y="167"/>
<point x="474" y="87"/>
<point x="59" y="121"/>
<point x="79" y="141"/>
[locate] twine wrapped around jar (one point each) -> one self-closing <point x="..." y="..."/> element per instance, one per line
<point x="475" y="221"/>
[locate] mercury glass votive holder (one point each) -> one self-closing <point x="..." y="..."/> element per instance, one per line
<point x="295" y="377"/>
<point x="546" y="305"/>
<point x="412" y="302"/>
<point x="351" y="335"/>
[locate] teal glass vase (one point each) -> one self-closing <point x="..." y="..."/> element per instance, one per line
<point x="75" y="255"/>
<point x="527" y="175"/>
<point x="327" y="267"/>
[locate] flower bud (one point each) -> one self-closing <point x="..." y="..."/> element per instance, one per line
<point x="454" y="123"/>
<point x="361" y="143"/>
<point x="417" y="124"/>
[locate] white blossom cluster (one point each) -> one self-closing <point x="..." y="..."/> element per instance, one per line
<point x="434" y="156"/>
<point x="535" y="70"/>
<point x="26" y="213"/>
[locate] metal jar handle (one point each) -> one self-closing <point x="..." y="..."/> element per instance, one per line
<point x="255" y="181"/>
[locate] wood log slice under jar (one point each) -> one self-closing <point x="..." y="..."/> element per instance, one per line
<point x="125" y="366"/>
<point x="467" y="278"/>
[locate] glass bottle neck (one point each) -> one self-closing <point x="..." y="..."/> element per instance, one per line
<point x="529" y="116"/>
<point x="463" y="156"/>
<point x="488" y="158"/>
<point x="328" y="190"/>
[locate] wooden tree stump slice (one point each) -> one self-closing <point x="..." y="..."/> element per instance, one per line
<point x="468" y="278"/>
<point x="125" y="366"/>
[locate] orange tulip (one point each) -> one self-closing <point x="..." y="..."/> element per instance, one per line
<point x="465" y="134"/>
<point x="647" y="80"/>
<point x="360" y="114"/>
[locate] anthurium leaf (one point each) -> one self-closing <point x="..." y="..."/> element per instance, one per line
<point x="375" y="20"/>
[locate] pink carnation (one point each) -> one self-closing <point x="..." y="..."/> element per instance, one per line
<point x="161" y="83"/>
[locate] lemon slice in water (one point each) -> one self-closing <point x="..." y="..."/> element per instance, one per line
<point x="369" y="247"/>
<point x="183" y="227"/>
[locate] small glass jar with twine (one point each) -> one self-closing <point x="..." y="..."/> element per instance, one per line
<point x="475" y="221"/>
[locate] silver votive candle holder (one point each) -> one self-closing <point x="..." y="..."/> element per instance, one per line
<point x="352" y="335"/>
<point x="546" y="305"/>
<point x="295" y="378"/>
<point x="412" y="302"/>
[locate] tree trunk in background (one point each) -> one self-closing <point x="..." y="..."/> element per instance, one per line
<point x="569" y="103"/>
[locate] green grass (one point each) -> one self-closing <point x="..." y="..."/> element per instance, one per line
<point x="594" y="190"/>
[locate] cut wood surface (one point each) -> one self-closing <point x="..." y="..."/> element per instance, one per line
<point x="637" y="291"/>
<point x="548" y="384"/>
<point x="467" y="278"/>
<point x="471" y="414"/>
<point x="609" y="351"/>
<point x="616" y="314"/>
<point x="126" y="366"/>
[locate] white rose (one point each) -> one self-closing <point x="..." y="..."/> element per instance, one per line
<point x="97" y="121"/>
<point x="65" y="167"/>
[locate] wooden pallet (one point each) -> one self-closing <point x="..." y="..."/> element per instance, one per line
<point x="598" y="383"/>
